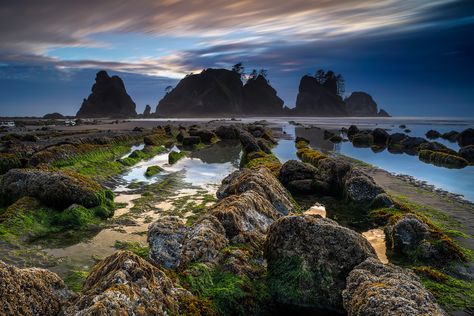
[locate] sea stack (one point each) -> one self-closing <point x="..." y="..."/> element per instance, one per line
<point x="362" y="104"/>
<point x="316" y="99"/>
<point x="108" y="99"/>
<point x="220" y="92"/>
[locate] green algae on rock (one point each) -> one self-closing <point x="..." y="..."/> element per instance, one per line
<point x="174" y="156"/>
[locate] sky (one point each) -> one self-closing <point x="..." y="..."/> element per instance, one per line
<point x="416" y="57"/>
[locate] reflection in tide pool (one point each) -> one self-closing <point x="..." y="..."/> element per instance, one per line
<point x="206" y="167"/>
<point x="458" y="181"/>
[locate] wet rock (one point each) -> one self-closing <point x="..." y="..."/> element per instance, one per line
<point x="53" y="188"/>
<point x="451" y="136"/>
<point x="227" y="132"/>
<point x="360" y="187"/>
<point x="307" y="186"/>
<point x="333" y="171"/>
<point x="190" y="141"/>
<point x="442" y="159"/>
<point x="31" y="291"/>
<point x="264" y="146"/>
<point x="296" y="170"/>
<point x="412" y="143"/>
<point x="352" y="131"/>
<point x="466" y="137"/>
<point x="335" y="139"/>
<point x="261" y="181"/>
<point x="173" y="244"/>
<point x="249" y="142"/>
<point x="435" y="146"/>
<point x="432" y="134"/>
<point x="309" y="258"/>
<point x="396" y="138"/>
<point x="467" y="153"/>
<point x="380" y="136"/>
<point x="181" y="135"/>
<point x="406" y="234"/>
<point x="125" y="284"/>
<point x="381" y="200"/>
<point x="362" y="139"/>
<point x="205" y="135"/>
<point x="374" y="288"/>
<point x="246" y="212"/>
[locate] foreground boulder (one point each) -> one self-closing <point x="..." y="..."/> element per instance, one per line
<point x="108" y="99"/>
<point x="406" y="234"/>
<point x="173" y="244"/>
<point x="374" y="288"/>
<point x="31" y="291"/>
<point x="309" y="258"/>
<point x="53" y="188"/>
<point x="125" y="284"/>
<point x="263" y="182"/>
<point x="298" y="177"/>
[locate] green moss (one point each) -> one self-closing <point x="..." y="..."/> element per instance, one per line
<point x="229" y="293"/>
<point x="174" y="156"/>
<point x="308" y="155"/>
<point x="453" y="294"/>
<point x="75" y="280"/>
<point x="442" y="159"/>
<point x="153" y="170"/>
<point x="139" y="155"/>
<point x="76" y="217"/>
<point x="135" y="247"/>
<point x="263" y="160"/>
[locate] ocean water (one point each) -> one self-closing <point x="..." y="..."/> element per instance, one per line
<point x="458" y="181"/>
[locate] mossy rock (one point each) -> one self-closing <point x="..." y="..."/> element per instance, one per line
<point x="174" y="156"/>
<point x="153" y="170"/>
<point x="442" y="159"/>
<point x="9" y="161"/>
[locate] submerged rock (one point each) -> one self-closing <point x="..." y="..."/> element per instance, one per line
<point x="432" y="134"/>
<point x="374" y="288"/>
<point x="309" y="258"/>
<point x="53" y="188"/>
<point x="124" y="284"/>
<point x="31" y="291"/>
<point x="261" y="181"/>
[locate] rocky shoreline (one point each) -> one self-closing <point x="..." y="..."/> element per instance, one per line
<point x="254" y="252"/>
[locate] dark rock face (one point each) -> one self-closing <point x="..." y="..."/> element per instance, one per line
<point x="361" y="104"/>
<point x="259" y="98"/>
<point x="205" y="135"/>
<point x="227" y="132"/>
<point x="147" y="111"/>
<point x="220" y="92"/>
<point x="451" y="136"/>
<point x="432" y="134"/>
<point x="466" y="137"/>
<point x="108" y="99"/>
<point x="191" y="140"/>
<point x="55" y="189"/>
<point x="374" y="288"/>
<point x="309" y="258"/>
<point x="315" y="99"/>
<point x="53" y="116"/>
<point x="467" y="153"/>
<point x="380" y="136"/>
<point x="31" y="291"/>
